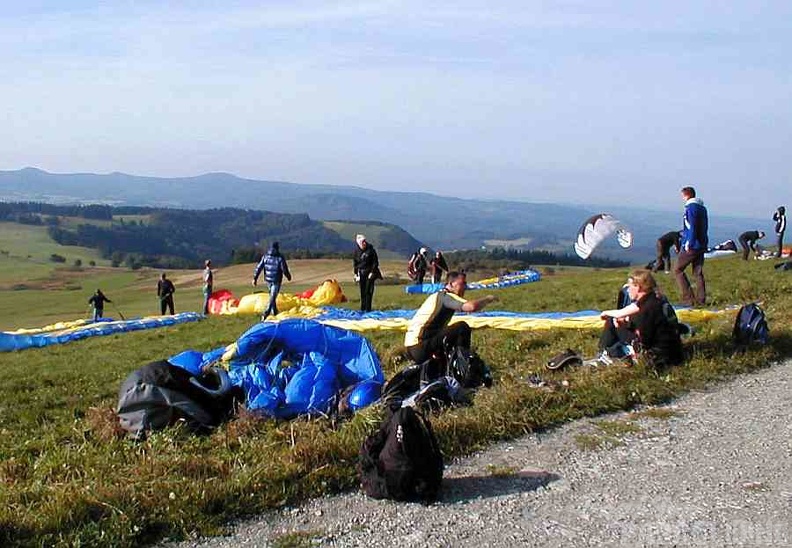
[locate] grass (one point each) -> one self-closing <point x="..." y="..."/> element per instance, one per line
<point x="25" y="252"/>
<point x="68" y="478"/>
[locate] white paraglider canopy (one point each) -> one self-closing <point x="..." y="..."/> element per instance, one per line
<point x="596" y="230"/>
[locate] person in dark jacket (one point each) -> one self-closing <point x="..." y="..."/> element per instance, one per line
<point x="780" y="227"/>
<point x="748" y="242"/>
<point x="165" y="289"/>
<point x="646" y="326"/>
<point x="694" y="241"/>
<point x="438" y="266"/>
<point x="275" y="268"/>
<point x="208" y="284"/>
<point x="97" y="300"/>
<point x="664" y="245"/>
<point x="365" y="264"/>
<point x="421" y="266"/>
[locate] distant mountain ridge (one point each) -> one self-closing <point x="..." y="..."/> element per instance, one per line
<point x="438" y="221"/>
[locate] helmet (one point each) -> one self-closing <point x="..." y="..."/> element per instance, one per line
<point x="423" y="251"/>
<point x="364" y="393"/>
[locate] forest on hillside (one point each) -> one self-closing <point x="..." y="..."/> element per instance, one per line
<point x="177" y="238"/>
<point x="181" y="238"/>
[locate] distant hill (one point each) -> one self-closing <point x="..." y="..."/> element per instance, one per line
<point x="179" y="238"/>
<point x="437" y="221"/>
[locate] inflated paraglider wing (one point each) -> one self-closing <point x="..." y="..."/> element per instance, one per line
<point x="597" y="229"/>
<point x="624" y="236"/>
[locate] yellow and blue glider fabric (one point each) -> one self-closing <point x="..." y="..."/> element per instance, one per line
<point x="295" y="367"/>
<point x="65" y="332"/>
<point x="507" y="280"/>
<point x="397" y="320"/>
<point x="327" y="293"/>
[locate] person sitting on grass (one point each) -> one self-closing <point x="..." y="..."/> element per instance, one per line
<point x="429" y="330"/>
<point x="645" y="327"/>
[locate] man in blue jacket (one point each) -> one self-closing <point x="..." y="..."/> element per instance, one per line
<point x="695" y="225"/>
<point x="275" y="268"/>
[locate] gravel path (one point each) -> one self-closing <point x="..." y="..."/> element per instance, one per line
<point x="713" y="469"/>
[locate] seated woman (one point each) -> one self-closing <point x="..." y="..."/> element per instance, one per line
<point x="646" y="325"/>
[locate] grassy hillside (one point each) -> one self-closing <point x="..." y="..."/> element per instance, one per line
<point x="25" y="253"/>
<point x="390" y="240"/>
<point x="58" y="294"/>
<point x="67" y="478"/>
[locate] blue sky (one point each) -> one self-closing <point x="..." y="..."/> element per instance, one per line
<point x="590" y="101"/>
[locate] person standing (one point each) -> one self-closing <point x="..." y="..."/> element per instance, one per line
<point x="664" y="245"/>
<point x="438" y="266"/>
<point x="694" y="240"/>
<point x="97" y="300"/>
<point x="208" y="284"/>
<point x="421" y="266"/>
<point x="780" y="226"/>
<point x="748" y="242"/>
<point x="365" y="264"/>
<point x="165" y="289"/>
<point x="275" y="268"/>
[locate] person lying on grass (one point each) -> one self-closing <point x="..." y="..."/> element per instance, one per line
<point x="647" y="326"/>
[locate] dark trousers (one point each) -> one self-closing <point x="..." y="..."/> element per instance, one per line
<point x="419" y="279"/>
<point x="663" y="260"/>
<point x="366" y="292"/>
<point x="614" y="338"/>
<point x="780" y="244"/>
<point x="166" y="304"/>
<point x="696" y="259"/>
<point x="747" y="246"/>
<point x="457" y="334"/>
<point x="207" y="294"/>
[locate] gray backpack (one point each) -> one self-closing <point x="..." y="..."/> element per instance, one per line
<point x="160" y="394"/>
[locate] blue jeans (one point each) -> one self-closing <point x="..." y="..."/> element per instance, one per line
<point x="272" y="306"/>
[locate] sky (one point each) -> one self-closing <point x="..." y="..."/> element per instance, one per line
<point x="581" y="102"/>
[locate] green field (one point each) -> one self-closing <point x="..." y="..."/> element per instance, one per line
<point x="348" y="230"/>
<point x="25" y="253"/>
<point x="68" y="478"/>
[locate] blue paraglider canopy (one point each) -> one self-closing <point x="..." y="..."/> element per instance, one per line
<point x="297" y="366"/>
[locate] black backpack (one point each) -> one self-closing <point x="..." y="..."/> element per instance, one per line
<point x="750" y="326"/>
<point x="468" y="368"/>
<point x="402" y="459"/>
<point x="160" y="394"/>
